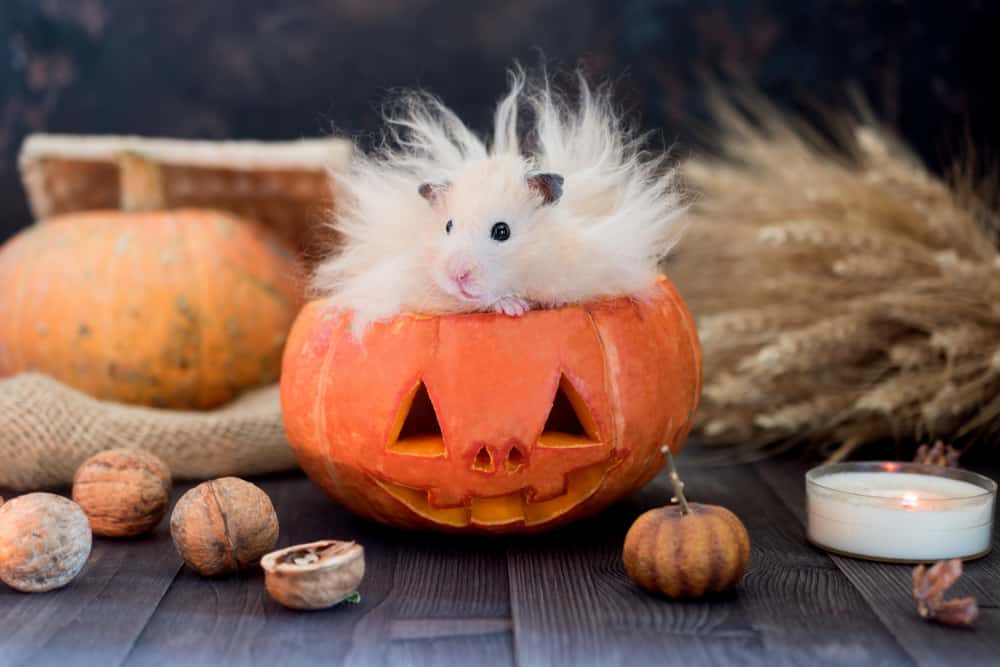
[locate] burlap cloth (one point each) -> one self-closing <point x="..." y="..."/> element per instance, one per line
<point x="47" y="429"/>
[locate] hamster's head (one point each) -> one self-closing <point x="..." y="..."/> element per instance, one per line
<point x="494" y="217"/>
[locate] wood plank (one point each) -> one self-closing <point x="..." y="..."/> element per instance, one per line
<point x="418" y="595"/>
<point x="486" y="651"/>
<point x="573" y="604"/>
<point x="95" y="619"/>
<point x="888" y="589"/>
<point x="447" y="627"/>
<point x="448" y="602"/>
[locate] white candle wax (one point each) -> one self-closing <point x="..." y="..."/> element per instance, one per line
<point x="901" y="512"/>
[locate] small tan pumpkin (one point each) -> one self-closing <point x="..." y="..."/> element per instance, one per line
<point x="688" y="549"/>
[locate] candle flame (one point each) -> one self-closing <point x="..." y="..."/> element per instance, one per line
<point x="909" y="500"/>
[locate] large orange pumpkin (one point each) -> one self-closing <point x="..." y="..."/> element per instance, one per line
<point x="178" y="309"/>
<point x="486" y="423"/>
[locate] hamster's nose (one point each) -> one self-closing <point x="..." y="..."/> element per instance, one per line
<point x="461" y="272"/>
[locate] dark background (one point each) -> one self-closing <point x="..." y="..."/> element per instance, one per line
<point x="272" y="69"/>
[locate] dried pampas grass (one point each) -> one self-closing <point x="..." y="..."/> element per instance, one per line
<point x="843" y="293"/>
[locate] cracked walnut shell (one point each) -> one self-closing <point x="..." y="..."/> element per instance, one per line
<point x="223" y="525"/>
<point x="44" y="542"/>
<point x="124" y="492"/>
<point x="315" y="575"/>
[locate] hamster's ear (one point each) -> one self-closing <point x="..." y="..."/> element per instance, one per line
<point x="548" y="186"/>
<point x="433" y="192"/>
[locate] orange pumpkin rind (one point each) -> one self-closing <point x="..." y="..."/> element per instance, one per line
<point x="171" y="309"/>
<point x="487" y="423"/>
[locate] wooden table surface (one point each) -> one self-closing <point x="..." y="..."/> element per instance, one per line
<point x="556" y="599"/>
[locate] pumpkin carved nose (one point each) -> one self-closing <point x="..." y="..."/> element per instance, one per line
<point x="513" y="460"/>
<point x="483" y="461"/>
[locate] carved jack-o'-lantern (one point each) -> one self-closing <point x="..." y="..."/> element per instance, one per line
<point x="488" y="423"/>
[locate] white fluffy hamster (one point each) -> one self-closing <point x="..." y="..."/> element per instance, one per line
<point x="438" y="221"/>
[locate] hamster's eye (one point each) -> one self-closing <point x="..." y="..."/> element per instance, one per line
<point x="500" y="232"/>
<point x="447" y="227"/>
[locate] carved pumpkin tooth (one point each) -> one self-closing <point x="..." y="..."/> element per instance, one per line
<point x="499" y="510"/>
<point x="580" y="485"/>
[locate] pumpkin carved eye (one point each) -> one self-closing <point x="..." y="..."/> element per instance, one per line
<point x="447" y="227"/>
<point x="500" y="232"/>
<point x="417" y="432"/>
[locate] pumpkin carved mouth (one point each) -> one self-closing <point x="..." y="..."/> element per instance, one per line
<point x="570" y="424"/>
<point x="505" y="509"/>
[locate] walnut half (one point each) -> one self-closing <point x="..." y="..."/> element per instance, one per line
<point x="315" y="575"/>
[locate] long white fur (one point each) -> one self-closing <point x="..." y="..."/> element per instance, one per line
<point x="615" y="222"/>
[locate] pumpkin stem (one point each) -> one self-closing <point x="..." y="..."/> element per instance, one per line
<point x="140" y="183"/>
<point x="675" y="480"/>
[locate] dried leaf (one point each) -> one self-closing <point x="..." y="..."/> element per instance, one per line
<point x="957" y="611"/>
<point x="938" y="454"/>
<point x="929" y="587"/>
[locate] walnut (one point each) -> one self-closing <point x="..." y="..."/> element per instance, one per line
<point x="124" y="492"/>
<point x="938" y="455"/>
<point x="223" y="526"/>
<point x="316" y="575"/>
<point x="929" y="587"/>
<point x="44" y="542"/>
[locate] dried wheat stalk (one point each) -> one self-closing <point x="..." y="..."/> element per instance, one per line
<point x="844" y="294"/>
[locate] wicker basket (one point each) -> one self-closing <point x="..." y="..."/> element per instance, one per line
<point x="283" y="185"/>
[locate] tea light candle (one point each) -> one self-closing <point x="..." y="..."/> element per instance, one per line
<point x="903" y="512"/>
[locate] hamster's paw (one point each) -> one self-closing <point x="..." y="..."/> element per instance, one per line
<point x="512" y="306"/>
